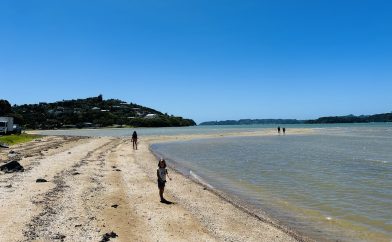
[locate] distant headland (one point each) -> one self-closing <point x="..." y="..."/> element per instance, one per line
<point x="90" y="112"/>
<point x="383" y="117"/>
<point x="253" y="121"/>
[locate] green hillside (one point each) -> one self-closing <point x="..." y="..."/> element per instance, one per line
<point x="382" y="117"/>
<point x="92" y="112"/>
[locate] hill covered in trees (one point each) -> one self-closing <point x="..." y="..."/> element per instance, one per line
<point x="91" y="112"/>
<point x="253" y="121"/>
<point x="383" y="117"/>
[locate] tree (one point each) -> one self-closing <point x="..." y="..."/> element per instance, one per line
<point x="5" y="107"/>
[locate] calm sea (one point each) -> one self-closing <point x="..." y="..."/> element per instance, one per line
<point x="120" y="132"/>
<point x="332" y="185"/>
<point x="335" y="184"/>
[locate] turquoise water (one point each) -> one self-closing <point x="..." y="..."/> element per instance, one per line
<point x="333" y="185"/>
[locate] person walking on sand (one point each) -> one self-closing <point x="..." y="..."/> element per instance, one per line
<point x="284" y="130"/>
<point x="134" y="140"/>
<point x="161" y="174"/>
<point x="278" y="129"/>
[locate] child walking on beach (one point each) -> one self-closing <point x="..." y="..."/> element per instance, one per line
<point x="161" y="174"/>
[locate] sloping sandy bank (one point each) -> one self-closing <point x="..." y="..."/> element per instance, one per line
<point x="88" y="177"/>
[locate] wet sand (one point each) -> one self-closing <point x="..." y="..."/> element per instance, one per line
<point x="99" y="185"/>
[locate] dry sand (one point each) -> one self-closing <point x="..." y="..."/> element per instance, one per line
<point x="87" y="177"/>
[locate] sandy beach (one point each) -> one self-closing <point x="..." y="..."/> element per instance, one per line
<point x="99" y="185"/>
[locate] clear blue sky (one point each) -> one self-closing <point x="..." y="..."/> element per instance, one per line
<point x="206" y="60"/>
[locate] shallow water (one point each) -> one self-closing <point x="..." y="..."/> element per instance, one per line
<point x="119" y="132"/>
<point x="334" y="185"/>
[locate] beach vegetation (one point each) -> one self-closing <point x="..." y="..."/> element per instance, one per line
<point x="17" y="139"/>
<point x="5" y="107"/>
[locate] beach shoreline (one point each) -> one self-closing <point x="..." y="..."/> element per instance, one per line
<point x="240" y="204"/>
<point x="232" y="199"/>
<point x="87" y="176"/>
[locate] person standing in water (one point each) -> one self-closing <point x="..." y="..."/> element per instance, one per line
<point x="161" y="174"/>
<point x="284" y="130"/>
<point x="278" y="129"/>
<point x="134" y="140"/>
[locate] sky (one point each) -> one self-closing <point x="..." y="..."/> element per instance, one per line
<point x="205" y="60"/>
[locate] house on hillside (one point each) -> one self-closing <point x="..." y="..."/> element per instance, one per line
<point x="151" y="115"/>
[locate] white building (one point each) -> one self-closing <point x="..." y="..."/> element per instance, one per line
<point x="151" y="115"/>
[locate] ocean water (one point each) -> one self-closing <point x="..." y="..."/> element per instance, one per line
<point x="172" y="131"/>
<point x="332" y="185"/>
<point x="167" y="131"/>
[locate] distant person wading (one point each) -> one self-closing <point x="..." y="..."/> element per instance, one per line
<point x="134" y="140"/>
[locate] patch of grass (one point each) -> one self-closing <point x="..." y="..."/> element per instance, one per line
<point x="17" y="139"/>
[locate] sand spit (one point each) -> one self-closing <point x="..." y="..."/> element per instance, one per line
<point x="97" y="186"/>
